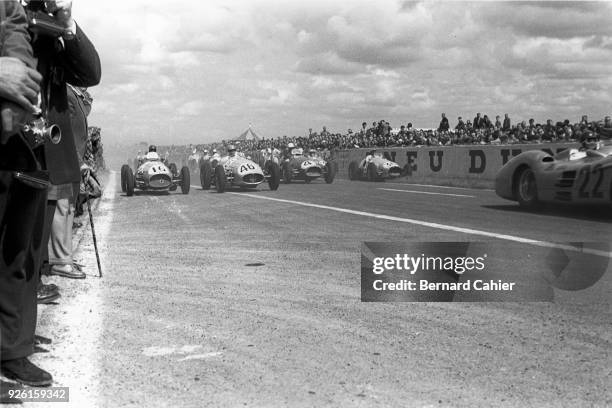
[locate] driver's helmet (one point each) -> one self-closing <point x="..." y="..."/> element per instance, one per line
<point x="590" y="140"/>
<point x="312" y="152"/>
<point x="290" y="145"/>
<point x="205" y="151"/>
<point x="152" y="148"/>
<point x="231" y="150"/>
<point x="214" y="151"/>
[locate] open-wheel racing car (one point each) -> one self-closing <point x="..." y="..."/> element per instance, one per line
<point x="573" y="176"/>
<point x="307" y="168"/>
<point x="154" y="175"/>
<point x="237" y="171"/>
<point x="374" y="167"/>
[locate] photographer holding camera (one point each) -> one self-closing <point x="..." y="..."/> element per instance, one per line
<point x="65" y="55"/>
<point x="23" y="194"/>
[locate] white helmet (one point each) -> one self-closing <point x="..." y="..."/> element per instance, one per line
<point x="290" y="145"/>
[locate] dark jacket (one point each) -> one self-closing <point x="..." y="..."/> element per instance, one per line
<point x="15" y="42"/>
<point x="77" y="63"/>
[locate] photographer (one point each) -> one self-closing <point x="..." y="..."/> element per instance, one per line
<point x="67" y="58"/>
<point x="23" y="193"/>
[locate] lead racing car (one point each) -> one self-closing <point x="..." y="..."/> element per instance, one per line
<point x="236" y="170"/>
<point x="573" y="176"/>
<point x="307" y="168"/>
<point x="154" y="175"/>
<point x="374" y="167"/>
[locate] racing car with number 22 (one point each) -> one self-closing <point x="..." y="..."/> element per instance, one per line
<point x="573" y="176"/>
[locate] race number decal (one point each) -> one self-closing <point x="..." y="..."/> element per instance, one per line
<point x="246" y="167"/>
<point x="307" y="163"/>
<point x="598" y="175"/>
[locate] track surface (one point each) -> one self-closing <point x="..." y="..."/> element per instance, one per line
<point x="238" y="300"/>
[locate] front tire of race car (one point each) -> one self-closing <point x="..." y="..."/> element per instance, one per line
<point x="330" y="173"/>
<point x="287" y="172"/>
<point x="123" y="171"/>
<point x="185" y="180"/>
<point x="205" y="175"/>
<point x="526" y="188"/>
<point x="274" y="179"/>
<point x="220" y="178"/>
<point x="352" y="171"/>
<point x="129" y="182"/>
<point x="372" y="176"/>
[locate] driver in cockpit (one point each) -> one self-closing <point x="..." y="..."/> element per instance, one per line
<point x="368" y="158"/>
<point x="152" y="154"/>
<point x="591" y="144"/>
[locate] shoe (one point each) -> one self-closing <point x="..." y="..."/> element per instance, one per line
<point x="67" y="271"/>
<point x="23" y="371"/>
<point x="5" y="396"/>
<point x="41" y="340"/>
<point x="47" y="294"/>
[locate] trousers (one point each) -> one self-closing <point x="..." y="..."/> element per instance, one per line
<point x="22" y="216"/>
<point x="60" y="241"/>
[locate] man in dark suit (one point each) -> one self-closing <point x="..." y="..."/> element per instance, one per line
<point x="23" y="193"/>
<point x="67" y="59"/>
<point x="72" y="60"/>
<point x="506" y="125"/>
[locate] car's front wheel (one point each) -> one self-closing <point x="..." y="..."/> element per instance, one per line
<point x="185" y="180"/>
<point x="526" y="188"/>
<point x="129" y="182"/>
<point x="220" y="178"/>
<point x="274" y="176"/>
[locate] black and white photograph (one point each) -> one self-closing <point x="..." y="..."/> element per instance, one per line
<point x="280" y="203"/>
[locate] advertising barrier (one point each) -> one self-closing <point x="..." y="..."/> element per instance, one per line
<point x="462" y="166"/>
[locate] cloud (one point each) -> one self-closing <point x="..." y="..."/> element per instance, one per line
<point x="287" y="66"/>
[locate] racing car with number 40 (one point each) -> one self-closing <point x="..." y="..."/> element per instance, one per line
<point x="573" y="176"/>
<point x="238" y="171"/>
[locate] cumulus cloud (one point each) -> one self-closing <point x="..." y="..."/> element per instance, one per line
<point x="287" y="66"/>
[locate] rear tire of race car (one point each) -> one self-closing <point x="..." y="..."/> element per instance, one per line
<point x="287" y="172"/>
<point x="129" y="182"/>
<point x="372" y="176"/>
<point x="526" y="189"/>
<point x="123" y="171"/>
<point x="274" y="179"/>
<point x="205" y="175"/>
<point x="185" y="180"/>
<point x="220" y="179"/>
<point x="352" y="171"/>
<point x="330" y="173"/>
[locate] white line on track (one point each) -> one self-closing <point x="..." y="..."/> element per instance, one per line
<point x="463" y="230"/>
<point x="427" y="192"/>
<point x="436" y="186"/>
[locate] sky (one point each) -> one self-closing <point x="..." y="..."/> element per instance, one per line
<point x="187" y="71"/>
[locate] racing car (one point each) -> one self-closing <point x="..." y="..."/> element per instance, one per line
<point x="573" y="176"/>
<point x="154" y="175"/>
<point x="238" y="171"/>
<point x="307" y="168"/>
<point x="374" y="167"/>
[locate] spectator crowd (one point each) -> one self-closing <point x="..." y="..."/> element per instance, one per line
<point x="479" y="131"/>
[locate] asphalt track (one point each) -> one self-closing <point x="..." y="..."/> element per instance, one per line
<point x="253" y="299"/>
